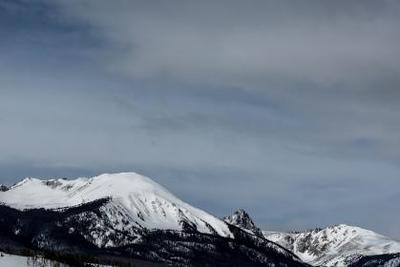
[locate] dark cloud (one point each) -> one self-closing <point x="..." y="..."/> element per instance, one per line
<point x="288" y="109"/>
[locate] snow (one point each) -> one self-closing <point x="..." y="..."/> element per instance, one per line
<point x="144" y="201"/>
<point x="13" y="260"/>
<point x="9" y="260"/>
<point x="335" y="245"/>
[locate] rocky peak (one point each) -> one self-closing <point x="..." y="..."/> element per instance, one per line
<point x="242" y="219"/>
<point x="3" y="188"/>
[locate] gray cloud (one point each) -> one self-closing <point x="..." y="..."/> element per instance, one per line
<point x="237" y="44"/>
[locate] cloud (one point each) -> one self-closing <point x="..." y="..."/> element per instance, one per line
<point x="232" y="43"/>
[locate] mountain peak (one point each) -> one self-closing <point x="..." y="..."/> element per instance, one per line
<point x="136" y="196"/>
<point x="242" y="219"/>
<point x="3" y="188"/>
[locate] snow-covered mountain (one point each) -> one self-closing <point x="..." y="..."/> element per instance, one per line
<point x="122" y="217"/>
<point x="135" y="198"/>
<point x="338" y="245"/>
<point x="128" y="218"/>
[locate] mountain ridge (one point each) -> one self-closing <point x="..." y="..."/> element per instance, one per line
<point x="129" y="215"/>
<point x="337" y="245"/>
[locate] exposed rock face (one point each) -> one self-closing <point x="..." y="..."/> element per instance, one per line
<point x="3" y="188"/>
<point x="242" y="219"/>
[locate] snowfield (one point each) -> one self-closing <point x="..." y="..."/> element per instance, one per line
<point x="13" y="260"/>
<point x="7" y="260"/>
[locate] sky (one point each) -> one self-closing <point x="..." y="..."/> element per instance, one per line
<point x="288" y="109"/>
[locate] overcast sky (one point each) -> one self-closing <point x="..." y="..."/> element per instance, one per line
<point x="289" y="109"/>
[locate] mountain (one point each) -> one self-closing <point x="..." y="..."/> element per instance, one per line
<point x="135" y="199"/>
<point x="339" y="245"/>
<point x="124" y="219"/>
<point x="242" y="219"/>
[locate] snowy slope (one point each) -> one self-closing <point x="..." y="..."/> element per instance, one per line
<point x="13" y="260"/>
<point x="337" y="245"/>
<point x="8" y="260"/>
<point x="134" y="198"/>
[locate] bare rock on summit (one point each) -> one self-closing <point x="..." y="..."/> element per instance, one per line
<point x="242" y="219"/>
